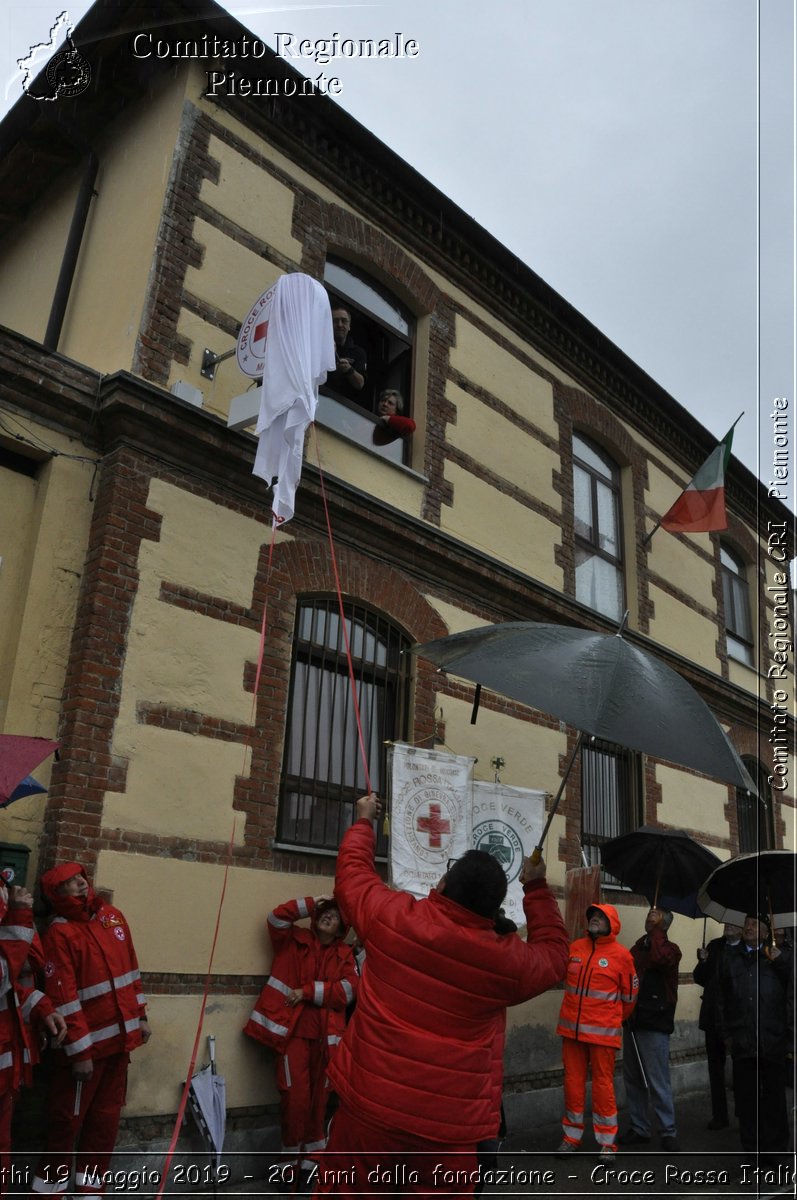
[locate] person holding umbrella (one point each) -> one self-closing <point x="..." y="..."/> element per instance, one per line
<point x="417" y="1069"/>
<point x="646" y="1044"/>
<point x="756" y="1019"/>
<point x="600" y="992"/>
<point x="706" y="975"/>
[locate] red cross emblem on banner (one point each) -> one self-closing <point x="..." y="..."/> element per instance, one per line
<point x="260" y="333"/>
<point x="435" y="825"/>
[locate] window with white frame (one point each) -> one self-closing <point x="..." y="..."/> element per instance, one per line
<point x="736" y="597"/>
<point x="598" y="529"/>
<point x="323" y="771"/>
<point x="382" y="329"/>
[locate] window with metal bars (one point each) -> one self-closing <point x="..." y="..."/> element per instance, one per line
<point x="323" y="773"/>
<point x="611" y="796"/>
<point x="754" y="817"/>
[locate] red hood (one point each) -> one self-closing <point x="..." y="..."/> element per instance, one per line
<point x="74" y="908"/>
<point x="610" y="913"/>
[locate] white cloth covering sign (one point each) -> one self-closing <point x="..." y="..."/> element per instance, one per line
<point x="507" y="823"/>
<point x="299" y="351"/>
<point x="430" y="815"/>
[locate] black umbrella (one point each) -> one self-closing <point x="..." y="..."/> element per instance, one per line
<point x="665" y="865"/>
<point x="752" y="883"/>
<point x="598" y="683"/>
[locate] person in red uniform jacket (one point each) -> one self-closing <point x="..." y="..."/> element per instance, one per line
<point x="391" y="424"/>
<point x="301" y="1013"/>
<point x="416" y="1069"/>
<point x="92" y="978"/>
<point x="25" y="1013"/>
<point x="600" y="992"/>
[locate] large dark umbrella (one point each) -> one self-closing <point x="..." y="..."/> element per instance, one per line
<point x="752" y="883"/>
<point x="665" y="865"/>
<point x="18" y="757"/>
<point x="598" y="683"/>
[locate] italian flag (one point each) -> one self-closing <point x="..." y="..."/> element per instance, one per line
<point x="701" y="507"/>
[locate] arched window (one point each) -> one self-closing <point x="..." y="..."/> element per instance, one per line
<point x="323" y="773"/>
<point x="754" y="816"/>
<point x="598" y="529"/>
<point x="736" y="597"/>
<point x="380" y="337"/>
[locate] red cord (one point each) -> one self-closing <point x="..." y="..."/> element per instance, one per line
<point x="192" y="1064"/>
<point x="352" y="680"/>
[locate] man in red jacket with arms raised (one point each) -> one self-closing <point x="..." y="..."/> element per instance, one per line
<point x="415" y="1069"/>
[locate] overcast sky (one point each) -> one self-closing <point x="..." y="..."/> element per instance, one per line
<point x="613" y="145"/>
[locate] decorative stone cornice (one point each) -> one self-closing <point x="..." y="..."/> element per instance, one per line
<point x="121" y="410"/>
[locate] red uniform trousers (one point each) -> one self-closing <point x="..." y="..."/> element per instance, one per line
<point x="578" y="1058"/>
<point x="398" y="1163"/>
<point x="304" y="1091"/>
<point x="95" y="1126"/>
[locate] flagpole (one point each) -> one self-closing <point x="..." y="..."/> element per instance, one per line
<point x="646" y="539"/>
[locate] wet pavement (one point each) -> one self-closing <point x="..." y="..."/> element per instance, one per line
<point x="709" y="1163"/>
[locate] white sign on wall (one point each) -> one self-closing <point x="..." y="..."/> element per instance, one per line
<point x="250" y="352"/>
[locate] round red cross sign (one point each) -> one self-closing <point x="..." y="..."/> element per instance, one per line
<point x="251" y="348"/>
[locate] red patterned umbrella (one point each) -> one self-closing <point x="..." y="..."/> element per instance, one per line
<point x="18" y="756"/>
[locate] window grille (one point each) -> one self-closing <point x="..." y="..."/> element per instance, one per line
<point x="323" y="773"/>
<point x="611" y="796"/>
<point x="754" y="816"/>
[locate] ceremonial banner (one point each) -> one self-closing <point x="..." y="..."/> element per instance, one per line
<point x="430" y="815"/>
<point x="507" y="823"/>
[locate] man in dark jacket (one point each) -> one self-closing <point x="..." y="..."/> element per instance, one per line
<point x="756" y="1018"/>
<point x="706" y="975"/>
<point x="416" y="1070"/>
<point x="646" y="1043"/>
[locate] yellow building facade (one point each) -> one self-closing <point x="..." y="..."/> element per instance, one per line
<point x="136" y="542"/>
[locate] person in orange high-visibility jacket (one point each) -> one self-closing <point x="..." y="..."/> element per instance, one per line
<point x="600" y="992"/>
<point x="25" y="1013"/>
<point x="301" y="1013"/>
<point x="92" y="977"/>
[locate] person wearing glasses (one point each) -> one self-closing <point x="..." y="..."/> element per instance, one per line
<point x="416" y="1071"/>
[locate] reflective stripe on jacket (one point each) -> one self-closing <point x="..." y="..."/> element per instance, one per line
<point x="92" y="978"/>
<point x="601" y="987"/>
<point x="18" y="1000"/>
<point x="327" y="976"/>
<point x="420" y="1053"/>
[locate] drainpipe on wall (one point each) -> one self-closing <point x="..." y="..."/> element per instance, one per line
<point x="74" y="241"/>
